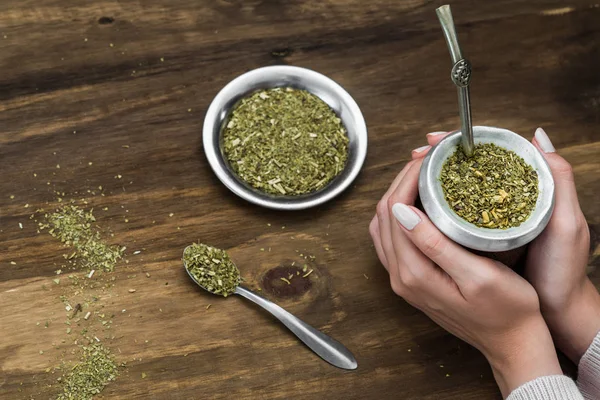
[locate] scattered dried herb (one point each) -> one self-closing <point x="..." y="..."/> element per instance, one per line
<point x="88" y="377"/>
<point x="285" y="141"/>
<point x="307" y="274"/>
<point x="495" y="188"/>
<point x="73" y="226"/>
<point x="212" y="268"/>
<point x="285" y="280"/>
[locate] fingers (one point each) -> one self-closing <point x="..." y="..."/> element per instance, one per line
<point x="413" y="265"/>
<point x="383" y="217"/>
<point x="434" y="138"/>
<point x="390" y="240"/>
<point x="420" y="152"/>
<point x="374" y="231"/>
<point x="562" y="172"/>
<point x="451" y="257"/>
<point x="412" y="273"/>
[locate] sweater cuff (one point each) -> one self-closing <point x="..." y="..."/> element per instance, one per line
<point x="555" y="387"/>
<point x="588" y="379"/>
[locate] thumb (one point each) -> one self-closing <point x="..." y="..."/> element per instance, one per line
<point x="452" y="258"/>
<point x="562" y="172"/>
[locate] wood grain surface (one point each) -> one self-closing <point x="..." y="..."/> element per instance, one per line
<point x="90" y="91"/>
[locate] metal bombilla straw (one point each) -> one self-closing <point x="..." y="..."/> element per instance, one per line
<point x="431" y="193"/>
<point x="461" y="76"/>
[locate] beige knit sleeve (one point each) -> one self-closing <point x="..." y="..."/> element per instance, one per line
<point x="560" y="387"/>
<point x="555" y="387"/>
<point x="588" y="379"/>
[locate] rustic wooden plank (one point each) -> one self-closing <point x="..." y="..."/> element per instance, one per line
<point x="67" y="101"/>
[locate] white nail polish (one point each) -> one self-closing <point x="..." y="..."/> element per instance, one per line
<point x="544" y="141"/>
<point x="437" y="133"/>
<point x="406" y="216"/>
<point x="420" y="149"/>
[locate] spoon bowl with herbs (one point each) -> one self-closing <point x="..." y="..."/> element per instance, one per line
<point x="498" y="199"/>
<point x="213" y="270"/>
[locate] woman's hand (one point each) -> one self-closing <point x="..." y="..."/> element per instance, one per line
<point x="557" y="261"/>
<point x="479" y="300"/>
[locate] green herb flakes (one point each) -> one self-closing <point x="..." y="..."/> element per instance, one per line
<point x="212" y="268"/>
<point x="88" y="377"/>
<point x="74" y="227"/>
<point x="494" y="188"/>
<point x="285" y="141"/>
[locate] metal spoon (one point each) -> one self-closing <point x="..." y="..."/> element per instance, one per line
<point x="327" y="348"/>
<point x="461" y="76"/>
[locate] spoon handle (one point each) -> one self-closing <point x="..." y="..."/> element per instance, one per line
<point x="327" y="348"/>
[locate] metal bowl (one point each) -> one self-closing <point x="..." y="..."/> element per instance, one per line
<point x="465" y="233"/>
<point x="285" y="76"/>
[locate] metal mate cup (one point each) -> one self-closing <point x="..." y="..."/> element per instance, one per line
<point x="470" y="235"/>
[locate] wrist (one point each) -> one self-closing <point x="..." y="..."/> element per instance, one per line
<point x="575" y="325"/>
<point x="529" y="354"/>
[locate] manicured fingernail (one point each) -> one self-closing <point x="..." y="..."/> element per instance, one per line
<point x="420" y="149"/>
<point x="544" y="141"/>
<point x="406" y="216"/>
<point x="436" y="133"/>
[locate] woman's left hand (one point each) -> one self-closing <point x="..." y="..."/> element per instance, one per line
<point x="479" y="300"/>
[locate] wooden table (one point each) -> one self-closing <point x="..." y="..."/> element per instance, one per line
<point x="90" y="91"/>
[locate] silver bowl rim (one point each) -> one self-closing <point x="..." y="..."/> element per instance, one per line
<point x="232" y="90"/>
<point x="472" y="236"/>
